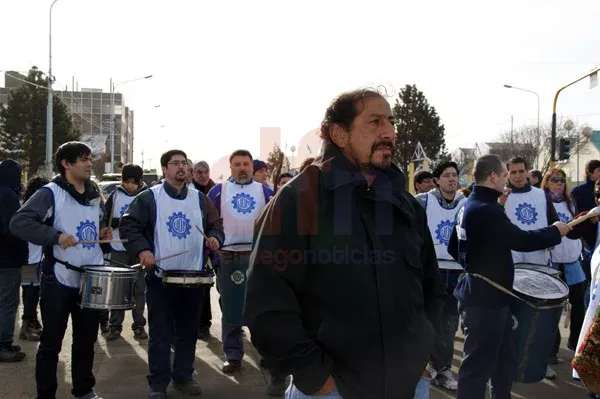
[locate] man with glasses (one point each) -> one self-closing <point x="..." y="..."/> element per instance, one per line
<point x="162" y="221"/>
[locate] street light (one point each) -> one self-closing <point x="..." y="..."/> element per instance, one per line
<point x="538" y="115"/>
<point x="553" y="136"/>
<point x="49" y="118"/>
<point x="112" y="117"/>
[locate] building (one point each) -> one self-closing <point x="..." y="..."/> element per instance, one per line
<point x="91" y="112"/>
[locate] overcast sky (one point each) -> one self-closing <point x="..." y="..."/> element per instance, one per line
<point x="222" y="70"/>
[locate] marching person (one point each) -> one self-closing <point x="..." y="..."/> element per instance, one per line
<point x="344" y="291"/>
<point x="239" y="200"/>
<point x="441" y="205"/>
<point x="162" y="221"/>
<point x="59" y="217"/>
<point x="132" y="183"/>
<point x="423" y="182"/>
<point x="13" y="255"/>
<point x="203" y="183"/>
<point x="31" y="329"/>
<point x="482" y="242"/>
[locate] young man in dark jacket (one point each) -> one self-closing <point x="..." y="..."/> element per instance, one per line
<point x="13" y="255"/>
<point x="344" y="291"/>
<point x="482" y="242"/>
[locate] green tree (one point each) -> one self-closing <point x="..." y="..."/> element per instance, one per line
<point x="417" y="121"/>
<point x="23" y="123"/>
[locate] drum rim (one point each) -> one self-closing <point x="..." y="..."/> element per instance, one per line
<point x="188" y="273"/>
<point x="120" y="270"/>
<point x="224" y="248"/>
<point x="544" y="300"/>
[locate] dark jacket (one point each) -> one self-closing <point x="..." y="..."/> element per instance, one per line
<point x="34" y="221"/>
<point x="343" y="281"/>
<point x="204" y="189"/>
<point x="487" y="238"/>
<point x="13" y="251"/>
<point x="583" y="196"/>
<point x="138" y="223"/>
<point x="120" y="190"/>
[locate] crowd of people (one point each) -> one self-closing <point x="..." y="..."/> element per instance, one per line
<point x="348" y="283"/>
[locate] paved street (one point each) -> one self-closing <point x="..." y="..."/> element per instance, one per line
<point x="121" y="367"/>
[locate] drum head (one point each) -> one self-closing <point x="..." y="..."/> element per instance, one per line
<point x="106" y="269"/>
<point x="539" y="268"/>
<point x="237" y="248"/>
<point x="539" y="285"/>
<point x="445" y="264"/>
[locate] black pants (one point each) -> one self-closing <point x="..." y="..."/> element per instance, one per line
<point x="576" y="298"/>
<point x="488" y="352"/>
<point x="31" y="298"/>
<point x="56" y="304"/>
<point x="173" y="316"/>
<point x="206" y="315"/>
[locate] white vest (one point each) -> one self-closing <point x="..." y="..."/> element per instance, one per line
<point x="568" y="250"/>
<point x="82" y="222"/>
<point x="121" y="202"/>
<point x="440" y="222"/>
<point x="528" y="212"/>
<point x="240" y="205"/>
<point x="36" y="254"/>
<point x="176" y="230"/>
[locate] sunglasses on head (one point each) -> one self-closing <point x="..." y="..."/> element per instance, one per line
<point x="558" y="180"/>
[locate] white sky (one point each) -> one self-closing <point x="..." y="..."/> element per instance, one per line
<point x="222" y="70"/>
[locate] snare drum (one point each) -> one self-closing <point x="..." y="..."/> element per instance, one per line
<point x="450" y="272"/>
<point x="231" y="281"/>
<point x="107" y="287"/>
<point x="540" y="268"/>
<point x="187" y="278"/>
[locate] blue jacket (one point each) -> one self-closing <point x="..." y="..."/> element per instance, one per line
<point x="484" y="247"/>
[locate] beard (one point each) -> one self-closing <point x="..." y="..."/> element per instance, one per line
<point x="379" y="159"/>
<point x="243" y="178"/>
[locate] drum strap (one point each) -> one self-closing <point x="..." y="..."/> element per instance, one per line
<point x="509" y="292"/>
<point x="68" y="265"/>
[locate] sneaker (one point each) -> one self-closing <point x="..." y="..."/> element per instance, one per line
<point x="276" y="387"/>
<point x="157" y="394"/>
<point x="104" y="327"/>
<point x="232" y="366"/>
<point x="11" y="353"/>
<point x="550" y="374"/>
<point x="140" y="333"/>
<point x="112" y="334"/>
<point x="446" y="380"/>
<point x="91" y="395"/>
<point x="37" y="326"/>
<point x="28" y="333"/>
<point x="189" y="387"/>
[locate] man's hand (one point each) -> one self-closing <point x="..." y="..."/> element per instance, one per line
<point x="106" y="233"/>
<point x="563" y="228"/>
<point x="212" y="243"/>
<point x="327" y="388"/>
<point x="147" y="259"/>
<point x="505" y="193"/>
<point x="67" y="240"/>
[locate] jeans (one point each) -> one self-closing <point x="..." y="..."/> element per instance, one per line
<point x="206" y="315"/>
<point x="443" y="351"/>
<point x="576" y="298"/>
<point x="10" y="282"/>
<point x="56" y="304"/>
<point x="488" y="352"/>
<point x="294" y="393"/>
<point x="422" y="390"/>
<point x="173" y="316"/>
<point x="139" y="297"/>
<point x="31" y="299"/>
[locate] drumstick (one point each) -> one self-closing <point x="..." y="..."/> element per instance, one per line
<point x="592" y="213"/>
<point x="201" y="232"/>
<point x="159" y="259"/>
<point x="100" y="241"/>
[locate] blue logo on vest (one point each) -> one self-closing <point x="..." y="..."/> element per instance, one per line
<point x="563" y="218"/>
<point x="243" y="203"/>
<point x="179" y="225"/>
<point x="443" y="231"/>
<point x="122" y="212"/>
<point x="87" y="231"/>
<point x="526" y="213"/>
